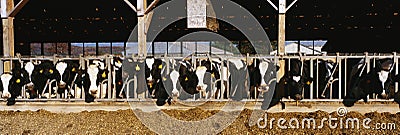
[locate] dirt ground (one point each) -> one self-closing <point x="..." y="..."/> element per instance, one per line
<point x="127" y="122"/>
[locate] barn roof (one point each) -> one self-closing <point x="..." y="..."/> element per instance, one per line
<point x="113" y="20"/>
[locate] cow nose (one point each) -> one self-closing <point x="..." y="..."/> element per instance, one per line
<point x="6" y="95"/>
<point x="384" y="95"/>
<point x="30" y="86"/>
<point x="93" y="91"/>
<point x="175" y="93"/>
<point x="62" y="85"/>
<point x="201" y="87"/>
<point x="263" y="88"/>
<point x="297" y="97"/>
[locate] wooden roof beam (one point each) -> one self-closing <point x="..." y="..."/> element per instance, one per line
<point x="17" y="8"/>
<point x="130" y="5"/>
<point x="152" y="4"/>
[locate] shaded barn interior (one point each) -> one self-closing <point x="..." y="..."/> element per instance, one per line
<point x="348" y="26"/>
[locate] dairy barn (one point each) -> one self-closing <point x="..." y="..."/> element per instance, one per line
<point x="199" y="67"/>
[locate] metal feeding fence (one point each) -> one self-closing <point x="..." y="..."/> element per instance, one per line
<point x="330" y="75"/>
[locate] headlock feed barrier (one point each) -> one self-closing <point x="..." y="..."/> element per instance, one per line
<point x="330" y="74"/>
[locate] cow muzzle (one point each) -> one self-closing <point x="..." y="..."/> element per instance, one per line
<point x="93" y="91"/>
<point x="201" y="87"/>
<point x="298" y="97"/>
<point x="263" y="88"/>
<point x="6" y="95"/>
<point x="62" y="85"/>
<point x="384" y="95"/>
<point x="30" y="86"/>
<point x="175" y="93"/>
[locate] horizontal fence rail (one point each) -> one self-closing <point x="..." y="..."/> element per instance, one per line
<point x="333" y="89"/>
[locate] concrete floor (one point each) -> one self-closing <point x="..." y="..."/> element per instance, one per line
<point x="78" y="106"/>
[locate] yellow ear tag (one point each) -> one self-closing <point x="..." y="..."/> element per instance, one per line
<point x="160" y="67"/>
<point x="51" y="71"/>
<point x="73" y="70"/>
<point x="137" y="68"/>
<point x="285" y="82"/>
<point x="103" y="75"/>
<point x="41" y="71"/>
<point x="18" y="81"/>
<point x="186" y="79"/>
<point x="308" y="82"/>
<point x="119" y="62"/>
<point x="213" y="75"/>
<point x="164" y="78"/>
<point x="151" y="85"/>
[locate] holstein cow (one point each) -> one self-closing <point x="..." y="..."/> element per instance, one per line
<point x="94" y="80"/>
<point x="117" y="63"/>
<point x="291" y="85"/>
<point x="12" y="83"/>
<point x="135" y="68"/>
<point x="67" y="72"/>
<point x="162" y="83"/>
<point x="42" y="74"/>
<point x="261" y="74"/>
<point x="379" y="80"/>
<point x="237" y="79"/>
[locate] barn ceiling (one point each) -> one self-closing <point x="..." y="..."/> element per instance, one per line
<point x="113" y="20"/>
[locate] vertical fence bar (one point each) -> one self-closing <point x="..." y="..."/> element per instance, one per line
<point x="312" y="76"/>
<point x="396" y="61"/>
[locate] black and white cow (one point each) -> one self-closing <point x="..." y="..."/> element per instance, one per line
<point x="11" y="84"/>
<point x="379" y="80"/>
<point x="261" y="74"/>
<point x="67" y="72"/>
<point x="136" y="68"/>
<point x="94" y="78"/>
<point x="117" y="63"/>
<point x="291" y="85"/>
<point x="43" y="73"/>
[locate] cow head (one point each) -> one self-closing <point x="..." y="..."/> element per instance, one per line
<point x="93" y="72"/>
<point x="66" y="73"/>
<point x="383" y="70"/>
<point x="377" y="81"/>
<point x="5" y="83"/>
<point x="296" y="78"/>
<point x="30" y="67"/>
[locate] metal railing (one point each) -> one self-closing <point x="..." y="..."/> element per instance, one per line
<point x="317" y="91"/>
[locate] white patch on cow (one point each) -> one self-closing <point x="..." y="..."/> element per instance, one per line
<point x="174" y="78"/>
<point x="93" y="71"/>
<point x="200" y="72"/>
<point x="383" y="76"/>
<point x="263" y="69"/>
<point x="100" y="64"/>
<point x="61" y="67"/>
<point x="238" y="63"/>
<point x="225" y="73"/>
<point x="29" y="67"/>
<point x="5" y="79"/>
<point x="149" y="63"/>
<point x="296" y="78"/>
